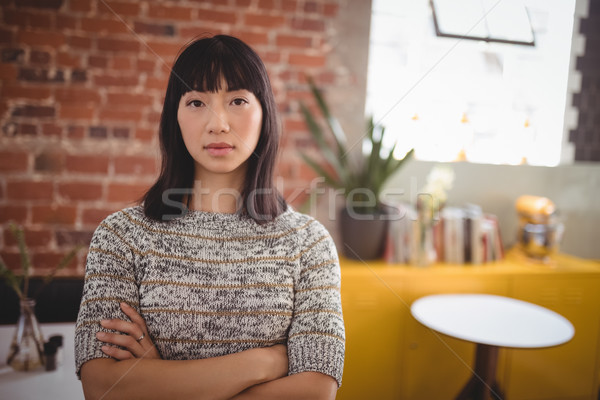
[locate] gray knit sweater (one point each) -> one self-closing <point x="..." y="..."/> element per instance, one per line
<point x="211" y="284"/>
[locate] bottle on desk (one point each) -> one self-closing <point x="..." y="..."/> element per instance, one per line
<point x="50" y="356"/>
<point x="58" y="342"/>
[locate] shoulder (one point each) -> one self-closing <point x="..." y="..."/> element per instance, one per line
<point x="314" y="241"/>
<point x="125" y="223"/>
<point x="125" y="218"/>
<point x="118" y="236"/>
<point x="304" y="226"/>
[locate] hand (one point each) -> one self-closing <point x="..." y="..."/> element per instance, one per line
<point x="135" y="340"/>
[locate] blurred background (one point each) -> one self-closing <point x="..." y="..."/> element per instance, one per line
<point x="503" y="92"/>
<point x="82" y="84"/>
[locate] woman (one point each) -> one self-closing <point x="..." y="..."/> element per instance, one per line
<point x="214" y="287"/>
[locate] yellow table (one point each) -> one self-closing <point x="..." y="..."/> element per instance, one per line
<point x="389" y="355"/>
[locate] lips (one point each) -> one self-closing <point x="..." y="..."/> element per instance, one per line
<point x="218" y="149"/>
<point x="218" y="146"/>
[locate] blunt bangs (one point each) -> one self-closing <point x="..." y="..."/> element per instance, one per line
<point x="205" y="65"/>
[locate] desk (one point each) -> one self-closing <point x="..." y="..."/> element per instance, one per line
<point x="40" y="384"/>
<point x="491" y="322"/>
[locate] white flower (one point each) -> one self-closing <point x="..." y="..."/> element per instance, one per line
<point x="439" y="181"/>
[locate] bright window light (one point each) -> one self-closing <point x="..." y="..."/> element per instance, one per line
<point x="456" y="99"/>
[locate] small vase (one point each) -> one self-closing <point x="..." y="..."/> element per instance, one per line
<point x="425" y="248"/>
<point x="426" y="253"/>
<point x="26" y="349"/>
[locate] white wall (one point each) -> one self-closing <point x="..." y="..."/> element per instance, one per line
<point x="575" y="189"/>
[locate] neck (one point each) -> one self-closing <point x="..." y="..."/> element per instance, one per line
<point x="221" y="194"/>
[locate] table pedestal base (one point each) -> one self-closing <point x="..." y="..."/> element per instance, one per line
<point x="482" y="385"/>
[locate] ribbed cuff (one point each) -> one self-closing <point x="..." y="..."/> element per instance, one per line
<point x="318" y="353"/>
<point x="87" y="347"/>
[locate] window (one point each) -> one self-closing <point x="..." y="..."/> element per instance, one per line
<point x="455" y="99"/>
<point x="483" y="20"/>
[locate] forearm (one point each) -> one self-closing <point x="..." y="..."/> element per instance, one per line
<point x="302" y="386"/>
<point x="211" y="378"/>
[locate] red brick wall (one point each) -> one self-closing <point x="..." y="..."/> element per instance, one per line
<point x="82" y="82"/>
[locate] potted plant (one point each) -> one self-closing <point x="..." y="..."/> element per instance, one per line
<point x="363" y="221"/>
<point x="26" y="349"/>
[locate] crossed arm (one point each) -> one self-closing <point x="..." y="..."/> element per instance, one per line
<point x="136" y="371"/>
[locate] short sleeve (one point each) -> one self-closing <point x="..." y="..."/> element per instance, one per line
<point x="109" y="280"/>
<point x="316" y="340"/>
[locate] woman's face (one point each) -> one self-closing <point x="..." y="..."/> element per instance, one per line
<point x="220" y="130"/>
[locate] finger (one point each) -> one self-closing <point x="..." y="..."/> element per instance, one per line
<point x="135" y="348"/>
<point x="117" y="353"/>
<point x="122" y="326"/>
<point x="129" y="338"/>
<point x="120" y="340"/>
<point x="134" y="316"/>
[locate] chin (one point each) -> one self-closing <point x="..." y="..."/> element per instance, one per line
<point x="222" y="169"/>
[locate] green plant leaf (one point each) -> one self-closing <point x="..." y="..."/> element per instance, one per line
<point x="319" y="138"/>
<point x="398" y="163"/>
<point x="24" y="254"/>
<point x="370" y="171"/>
<point x="19" y="235"/>
<point x="375" y="156"/>
<point x="329" y="179"/>
<point x="61" y="264"/>
<point x="389" y="159"/>
<point x="10" y="278"/>
<point x="333" y="124"/>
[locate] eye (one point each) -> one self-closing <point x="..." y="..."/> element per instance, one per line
<point x="239" y="101"/>
<point x="195" y="103"/>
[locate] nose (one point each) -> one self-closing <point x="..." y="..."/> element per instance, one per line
<point x="217" y="120"/>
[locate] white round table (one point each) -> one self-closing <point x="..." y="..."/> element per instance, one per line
<point x="491" y="322"/>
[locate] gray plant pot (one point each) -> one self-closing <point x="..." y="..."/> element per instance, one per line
<point x="363" y="235"/>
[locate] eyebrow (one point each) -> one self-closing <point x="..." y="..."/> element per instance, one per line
<point x="227" y="91"/>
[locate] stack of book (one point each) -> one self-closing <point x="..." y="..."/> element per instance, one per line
<point x="458" y="235"/>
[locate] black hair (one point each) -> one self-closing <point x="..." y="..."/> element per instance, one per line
<point x="202" y="66"/>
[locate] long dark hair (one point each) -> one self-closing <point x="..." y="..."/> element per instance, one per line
<point x="202" y="66"/>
